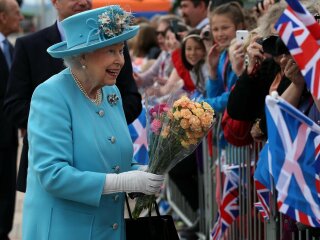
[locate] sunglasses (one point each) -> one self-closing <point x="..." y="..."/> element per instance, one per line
<point x="162" y="33"/>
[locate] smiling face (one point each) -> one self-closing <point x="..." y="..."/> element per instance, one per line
<point x="194" y="51"/>
<point x="103" y="65"/>
<point x="223" y="30"/>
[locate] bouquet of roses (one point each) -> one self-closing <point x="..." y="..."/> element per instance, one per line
<point x="174" y="133"/>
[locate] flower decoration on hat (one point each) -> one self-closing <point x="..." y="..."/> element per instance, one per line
<point x="114" y="21"/>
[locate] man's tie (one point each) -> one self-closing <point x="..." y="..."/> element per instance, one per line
<point x="6" y="51"/>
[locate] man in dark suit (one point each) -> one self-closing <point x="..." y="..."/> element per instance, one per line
<point x="10" y="18"/>
<point x="32" y="65"/>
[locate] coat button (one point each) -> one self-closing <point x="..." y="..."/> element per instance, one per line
<point x="116" y="198"/>
<point x="117" y="169"/>
<point x="112" y="139"/>
<point x="115" y="226"/>
<point x="101" y="113"/>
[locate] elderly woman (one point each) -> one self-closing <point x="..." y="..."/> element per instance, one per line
<point x="80" y="156"/>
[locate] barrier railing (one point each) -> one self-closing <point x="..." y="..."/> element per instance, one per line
<point x="249" y="225"/>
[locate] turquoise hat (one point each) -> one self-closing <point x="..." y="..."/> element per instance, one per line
<point x="94" y="29"/>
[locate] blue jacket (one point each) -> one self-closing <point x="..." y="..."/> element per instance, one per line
<point x="218" y="91"/>
<point x="73" y="144"/>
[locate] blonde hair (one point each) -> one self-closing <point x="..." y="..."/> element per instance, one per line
<point x="267" y="21"/>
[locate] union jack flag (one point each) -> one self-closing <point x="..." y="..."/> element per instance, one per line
<point x="260" y="208"/>
<point x="138" y="133"/>
<point x="263" y="180"/>
<point x="229" y="208"/>
<point x="263" y="205"/>
<point x="294" y="147"/>
<point x="300" y="32"/>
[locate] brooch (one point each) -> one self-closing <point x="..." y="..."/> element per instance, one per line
<point x="112" y="99"/>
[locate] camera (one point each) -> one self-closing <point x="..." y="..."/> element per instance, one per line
<point x="206" y="34"/>
<point x="274" y="46"/>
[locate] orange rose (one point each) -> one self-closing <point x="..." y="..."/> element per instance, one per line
<point x="191" y="105"/>
<point x="207" y="107"/>
<point x="182" y="102"/>
<point x="186" y="113"/>
<point x="206" y="120"/>
<point x="196" y="128"/>
<point x="198" y="105"/>
<point x="184" y="123"/>
<point x="177" y="115"/>
<point x="170" y="115"/>
<point x="165" y="131"/>
<point x="198" y="112"/>
<point x="193" y="141"/>
<point x="194" y="120"/>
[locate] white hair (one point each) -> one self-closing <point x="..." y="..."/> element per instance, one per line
<point x="72" y="61"/>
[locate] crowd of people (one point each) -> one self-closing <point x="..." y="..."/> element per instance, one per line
<point x="72" y="102"/>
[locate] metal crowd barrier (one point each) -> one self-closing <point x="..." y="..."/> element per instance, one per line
<point x="249" y="225"/>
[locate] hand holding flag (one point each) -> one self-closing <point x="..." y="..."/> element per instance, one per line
<point x="300" y="32"/>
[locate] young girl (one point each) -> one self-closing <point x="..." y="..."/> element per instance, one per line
<point x="190" y="71"/>
<point x="225" y="20"/>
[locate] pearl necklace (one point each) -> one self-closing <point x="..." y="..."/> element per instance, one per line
<point x="96" y="100"/>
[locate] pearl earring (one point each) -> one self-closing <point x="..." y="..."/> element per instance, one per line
<point x="84" y="66"/>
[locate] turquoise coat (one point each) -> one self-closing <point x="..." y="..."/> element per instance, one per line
<point x="73" y="143"/>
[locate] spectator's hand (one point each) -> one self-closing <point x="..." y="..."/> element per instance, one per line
<point x="133" y="181"/>
<point x="173" y="42"/>
<point x="262" y="6"/>
<point x="213" y="59"/>
<point x="152" y="91"/>
<point x="291" y="70"/>
<point x="256" y="133"/>
<point x="160" y="81"/>
<point x="236" y="56"/>
<point x="255" y="55"/>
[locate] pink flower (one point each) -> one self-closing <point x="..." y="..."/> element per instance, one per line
<point x="158" y="109"/>
<point x="156" y="125"/>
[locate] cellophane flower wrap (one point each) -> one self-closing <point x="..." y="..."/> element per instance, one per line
<point x="174" y="133"/>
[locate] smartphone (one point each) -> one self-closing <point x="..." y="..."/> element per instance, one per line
<point x="241" y="35"/>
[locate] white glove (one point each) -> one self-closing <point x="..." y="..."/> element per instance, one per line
<point x="133" y="181"/>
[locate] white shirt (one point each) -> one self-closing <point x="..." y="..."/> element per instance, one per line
<point x="61" y="31"/>
<point x="203" y="23"/>
<point x="2" y="37"/>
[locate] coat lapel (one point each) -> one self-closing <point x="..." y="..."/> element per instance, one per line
<point x="53" y="36"/>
